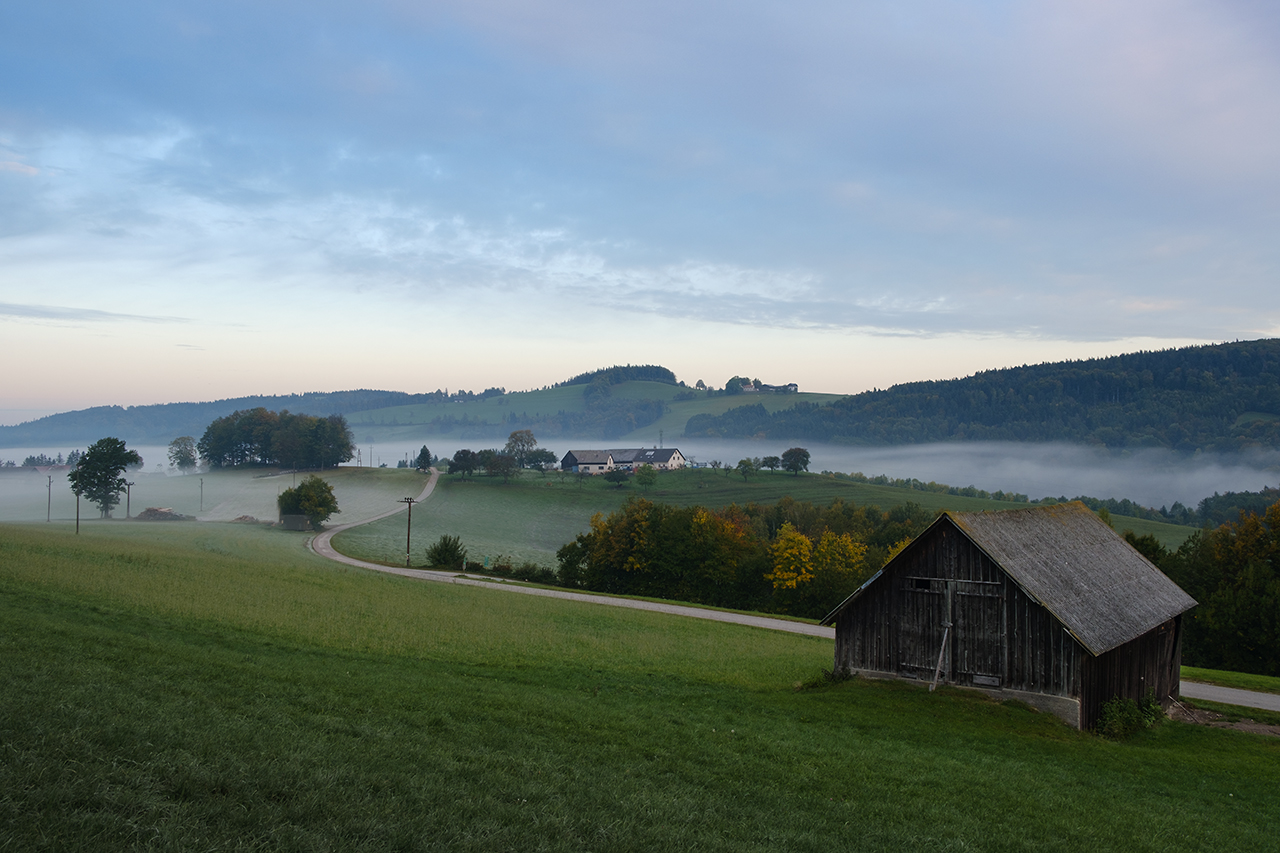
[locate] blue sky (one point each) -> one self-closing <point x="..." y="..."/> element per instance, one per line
<point x="202" y="200"/>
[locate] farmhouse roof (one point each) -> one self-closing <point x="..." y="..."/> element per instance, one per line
<point x="645" y="455"/>
<point x="1064" y="557"/>
<point x="591" y="457"/>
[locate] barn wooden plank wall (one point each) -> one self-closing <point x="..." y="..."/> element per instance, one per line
<point x="999" y="638"/>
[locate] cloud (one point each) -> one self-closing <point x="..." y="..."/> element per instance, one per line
<point x="20" y="168"/>
<point x="78" y="315"/>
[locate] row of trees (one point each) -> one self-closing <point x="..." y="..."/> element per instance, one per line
<point x="1234" y="572"/>
<point x="260" y="437"/>
<point x="789" y="557"/>
<point x="1223" y="397"/>
<point x="521" y="451"/>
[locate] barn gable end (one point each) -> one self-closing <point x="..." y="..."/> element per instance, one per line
<point x="1048" y="603"/>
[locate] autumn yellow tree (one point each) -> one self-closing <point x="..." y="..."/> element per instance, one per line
<point x="791" y="554"/>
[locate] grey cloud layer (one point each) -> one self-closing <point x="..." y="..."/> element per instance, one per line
<point x="1077" y="170"/>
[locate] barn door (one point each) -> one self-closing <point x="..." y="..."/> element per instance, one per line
<point x="921" y="626"/>
<point x="978" y="633"/>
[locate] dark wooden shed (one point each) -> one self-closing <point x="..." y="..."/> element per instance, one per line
<point x="1047" y="604"/>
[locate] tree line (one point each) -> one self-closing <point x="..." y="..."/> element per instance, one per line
<point x="1223" y="397"/>
<point x="261" y="437"/>
<point x="789" y="557"/>
<point x="1233" y="571"/>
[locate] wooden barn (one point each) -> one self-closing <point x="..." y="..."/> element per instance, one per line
<point x="1047" y="604"/>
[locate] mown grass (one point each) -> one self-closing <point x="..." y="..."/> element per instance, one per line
<point x="148" y="705"/>
<point x="1239" y="680"/>
<point x="532" y="516"/>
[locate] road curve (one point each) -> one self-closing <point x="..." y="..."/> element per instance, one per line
<point x="321" y="544"/>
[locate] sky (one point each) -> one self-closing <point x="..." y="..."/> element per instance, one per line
<point x="209" y="200"/>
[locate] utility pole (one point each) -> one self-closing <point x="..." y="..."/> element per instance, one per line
<point x="48" y="513"/>
<point x="202" y="494"/>
<point x="128" y="497"/>
<point x="408" y="533"/>
<point x="77" y="513"/>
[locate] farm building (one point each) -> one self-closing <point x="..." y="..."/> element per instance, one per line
<point x="600" y="461"/>
<point x="1047" y="605"/>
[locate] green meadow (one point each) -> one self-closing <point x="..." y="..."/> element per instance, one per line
<point x="216" y="687"/>
<point x="405" y="422"/>
<point x="530" y="517"/>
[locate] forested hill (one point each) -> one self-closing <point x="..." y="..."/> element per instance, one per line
<point x="162" y="423"/>
<point x="1220" y="397"/>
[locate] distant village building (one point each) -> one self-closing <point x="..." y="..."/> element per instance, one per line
<point x="600" y="461"/>
<point x="1047" y="605"/>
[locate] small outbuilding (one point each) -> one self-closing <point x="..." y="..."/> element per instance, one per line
<point x="1047" y="605"/>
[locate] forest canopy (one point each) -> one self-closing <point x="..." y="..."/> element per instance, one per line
<point x="1224" y="397"/>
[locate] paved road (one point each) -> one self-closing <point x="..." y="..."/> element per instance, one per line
<point x="1231" y="696"/>
<point x="321" y="545"/>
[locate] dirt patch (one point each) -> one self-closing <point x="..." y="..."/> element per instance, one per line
<point x="157" y="513"/>
<point x="1203" y="717"/>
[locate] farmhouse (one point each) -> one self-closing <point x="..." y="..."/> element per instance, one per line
<point x="1047" y="605"/>
<point x="600" y="461"/>
<point x="587" y="461"/>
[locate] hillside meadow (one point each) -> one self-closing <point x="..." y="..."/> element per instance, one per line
<point x="406" y="422"/>
<point x="533" y="515"/>
<point x="208" y="686"/>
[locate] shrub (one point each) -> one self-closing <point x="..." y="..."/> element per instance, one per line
<point x="1122" y="717"/>
<point x="447" y="553"/>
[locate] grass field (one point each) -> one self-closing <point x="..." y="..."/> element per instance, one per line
<point x="397" y="422"/>
<point x="529" y="518"/>
<point x="1238" y="680"/>
<point x="216" y="687"/>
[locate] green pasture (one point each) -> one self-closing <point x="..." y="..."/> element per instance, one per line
<point x="1238" y="680"/>
<point x="406" y="422"/>
<point x="532" y="516"/>
<point x="218" y="687"/>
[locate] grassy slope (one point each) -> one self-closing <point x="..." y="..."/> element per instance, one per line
<point x="406" y="421"/>
<point x="220" y="688"/>
<point x="531" y="517"/>
<point x="1238" y="680"/>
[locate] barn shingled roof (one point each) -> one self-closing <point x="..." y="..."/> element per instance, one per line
<point x="1098" y="586"/>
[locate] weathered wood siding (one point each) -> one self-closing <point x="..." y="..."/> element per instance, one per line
<point x="998" y="636"/>
<point x="1152" y="661"/>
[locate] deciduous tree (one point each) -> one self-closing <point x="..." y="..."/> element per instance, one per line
<point x="182" y="453"/>
<point x="796" y="460"/>
<point x="502" y="465"/>
<point x="313" y="497"/>
<point x="646" y="477"/>
<point x="97" y="473"/>
<point x="464" y="462"/>
<point x="519" y="445"/>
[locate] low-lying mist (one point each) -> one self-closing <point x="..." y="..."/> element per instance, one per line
<point x="1151" y="477"/>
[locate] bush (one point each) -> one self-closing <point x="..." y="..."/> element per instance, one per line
<point x="534" y="573"/>
<point x="1122" y="717"/>
<point x="313" y="497"/>
<point x="447" y="553"/>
